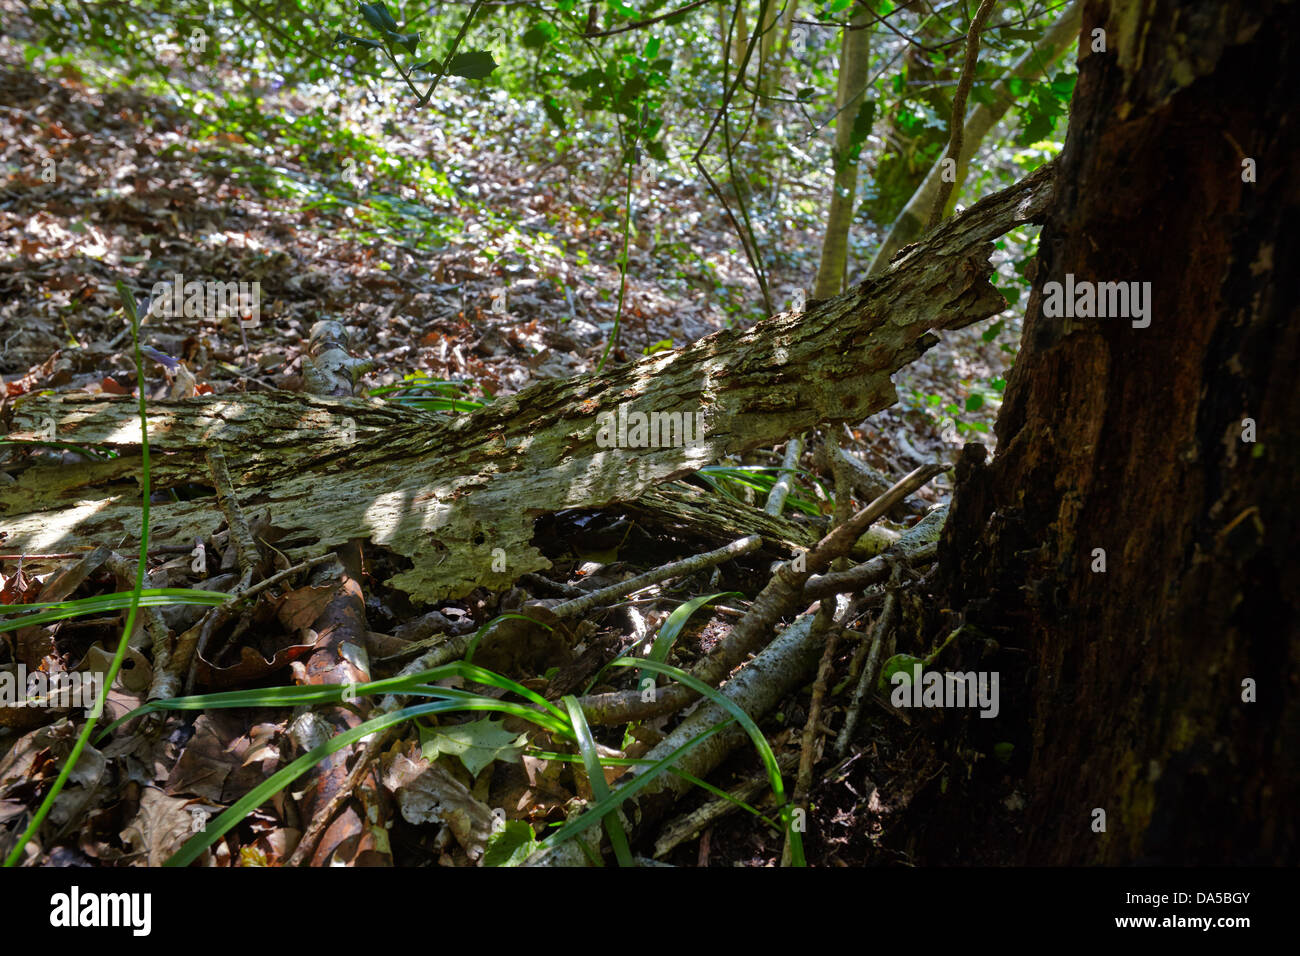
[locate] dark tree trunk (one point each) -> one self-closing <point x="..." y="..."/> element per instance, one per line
<point x="1131" y="440"/>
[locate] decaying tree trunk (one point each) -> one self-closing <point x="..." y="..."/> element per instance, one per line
<point x="459" y="498"/>
<point x="1134" y="539"/>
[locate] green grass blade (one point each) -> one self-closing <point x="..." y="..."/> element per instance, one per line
<point x="671" y="628"/>
<point x="596" y="812"/>
<point x="596" y="776"/>
<point x="128" y="303"/>
<point x="550" y="717"/>
<point x="27" y="615"/>
<point x="751" y="728"/>
<point x="231" y="817"/>
<point x="675" y="771"/>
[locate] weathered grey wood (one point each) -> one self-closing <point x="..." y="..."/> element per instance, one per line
<point x="458" y="498"/>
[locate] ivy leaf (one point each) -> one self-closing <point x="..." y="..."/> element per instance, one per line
<point x="476" y="743"/>
<point x="474" y="65"/>
<point x="540" y="34"/>
<point x="898" y="664"/>
<point x="377" y="16"/>
<point x="510" y="845"/>
<point x="553" y="112"/>
<point x="974" y="402"/>
<point x="408" y="40"/>
<point x="340" y="38"/>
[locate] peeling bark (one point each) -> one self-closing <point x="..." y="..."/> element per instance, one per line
<point x="459" y="498"/>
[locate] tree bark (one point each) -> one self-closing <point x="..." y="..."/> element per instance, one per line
<point x="1130" y="440"/>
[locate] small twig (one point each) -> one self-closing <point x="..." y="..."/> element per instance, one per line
<point x="154" y="625"/>
<point x="958" y="122"/>
<point x="562" y="588"/>
<point x="241" y="537"/>
<point x="674" y="569"/>
<point x="867" y="679"/>
<point x="279" y="576"/>
<point x="781" y="490"/>
<point x="191" y="645"/>
<point x="825" y="619"/>
<point x="86" y="549"/>
<point x="808" y="744"/>
<point x="321" y="821"/>
<point x="652" y="20"/>
<point x="863" y="575"/>
<point x="782" y="595"/>
<point x="690" y="824"/>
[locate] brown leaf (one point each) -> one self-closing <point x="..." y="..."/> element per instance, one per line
<point x="252" y="666"/>
<point x="298" y="608"/>
<point x="427" y="793"/>
<point x="225" y="759"/>
<point x="161" y="824"/>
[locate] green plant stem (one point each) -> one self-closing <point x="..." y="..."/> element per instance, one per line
<point x="48" y="803"/>
<point x="622" y="282"/>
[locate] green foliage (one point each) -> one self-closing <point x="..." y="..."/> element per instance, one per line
<point x="510" y="845"/>
<point x="596" y="777"/>
<point x="477" y="743"/>
<point x="429" y="394"/>
<point x="486" y="742"/>
<point x="1042" y="105"/>
<point x="672" y="627"/>
<point x="749" y="483"/>
<point x="904" y="664"/>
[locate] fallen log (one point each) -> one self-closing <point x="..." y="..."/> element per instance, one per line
<point x="458" y="498"/>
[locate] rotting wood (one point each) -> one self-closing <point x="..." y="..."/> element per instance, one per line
<point x="458" y="498"/>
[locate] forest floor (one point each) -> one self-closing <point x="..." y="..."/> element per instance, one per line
<point x="449" y="257"/>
